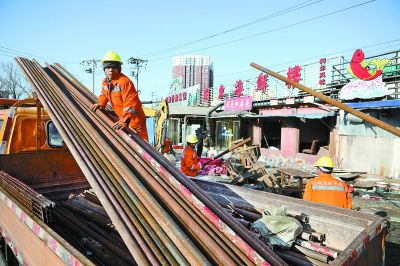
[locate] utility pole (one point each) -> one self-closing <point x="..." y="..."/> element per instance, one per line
<point x="139" y="63"/>
<point x="91" y="66"/>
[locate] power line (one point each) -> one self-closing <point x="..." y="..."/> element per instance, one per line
<point x="279" y="13"/>
<point x="7" y="55"/>
<point x="273" y="30"/>
<point x="19" y="53"/>
<point x="301" y="60"/>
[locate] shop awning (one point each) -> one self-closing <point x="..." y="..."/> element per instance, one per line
<point x="229" y="114"/>
<point x="306" y="116"/>
<point x="376" y="104"/>
<point x="189" y="110"/>
<point x="251" y="115"/>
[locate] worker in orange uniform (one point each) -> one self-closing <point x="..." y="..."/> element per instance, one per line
<point x="166" y="148"/>
<point x="119" y="90"/>
<point x="327" y="189"/>
<point x="190" y="163"/>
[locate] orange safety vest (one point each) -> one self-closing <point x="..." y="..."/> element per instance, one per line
<point x="124" y="99"/>
<point x="190" y="163"/>
<point x="166" y="149"/>
<point x="328" y="190"/>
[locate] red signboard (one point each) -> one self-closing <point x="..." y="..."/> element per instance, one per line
<point x="322" y="69"/>
<point x="237" y="104"/>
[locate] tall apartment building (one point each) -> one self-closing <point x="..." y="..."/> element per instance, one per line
<point x="193" y="70"/>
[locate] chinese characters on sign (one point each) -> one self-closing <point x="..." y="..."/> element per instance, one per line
<point x="221" y="92"/>
<point x="177" y="97"/>
<point x="294" y="74"/>
<point x="322" y="69"/>
<point x="236" y="104"/>
<point x="262" y="82"/>
<point x="239" y="88"/>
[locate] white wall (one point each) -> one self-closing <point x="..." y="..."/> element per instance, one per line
<point x="374" y="155"/>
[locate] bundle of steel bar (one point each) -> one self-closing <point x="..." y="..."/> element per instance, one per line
<point x="60" y="189"/>
<point x="162" y="216"/>
<point x="305" y="252"/>
<point x="104" y="245"/>
<point x="39" y="205"/>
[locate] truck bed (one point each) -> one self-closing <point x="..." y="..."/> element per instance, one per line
<point x="357" y="236"/>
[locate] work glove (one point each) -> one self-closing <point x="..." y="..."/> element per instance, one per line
<point x="118" y="125"/>
<point x="96" y="106"/>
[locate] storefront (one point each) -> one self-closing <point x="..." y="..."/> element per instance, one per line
<point x="183" y="121"/>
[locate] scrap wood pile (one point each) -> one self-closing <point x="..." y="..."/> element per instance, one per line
<point x="244" y="169"/>
<point x="162" y="216"/>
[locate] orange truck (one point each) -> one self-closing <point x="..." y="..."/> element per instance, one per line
<point x="33" y="152"/>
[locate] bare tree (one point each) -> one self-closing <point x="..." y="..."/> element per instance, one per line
<point x="12" y="82"/>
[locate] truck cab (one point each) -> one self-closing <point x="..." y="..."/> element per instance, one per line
<point x="26" y="127"/>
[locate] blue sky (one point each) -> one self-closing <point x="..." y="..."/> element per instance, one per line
<point x="69" y="32"/>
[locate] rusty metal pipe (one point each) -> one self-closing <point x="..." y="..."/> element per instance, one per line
<point x="116" y="185"/>
<point x="224" y="259"/>
<point x="205" y="212"/>
<point x="89" y="171"/>
<point x="88" y="103"/>
<point x="92" y="136"/>
<point x="147" y="196"/>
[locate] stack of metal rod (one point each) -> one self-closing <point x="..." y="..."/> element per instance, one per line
<point x="59" y="188"/>
<point x="309" y="247"/>
<point x="162" y="216"/>
<point x="86" y="225"/>
<point x="39" y="205"/>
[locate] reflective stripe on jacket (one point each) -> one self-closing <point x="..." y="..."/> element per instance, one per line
<point x="124" y="99"/>
<point x="190" y="163"/>
<point x="328" y="190"/>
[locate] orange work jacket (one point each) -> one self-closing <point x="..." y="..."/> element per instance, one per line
<point x="124" y="99"/>
<point x="328" y="190"/>
<point x="190" y="163"/>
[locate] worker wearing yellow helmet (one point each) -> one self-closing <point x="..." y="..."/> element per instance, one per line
<point x="190" y="163"/>
<point x="118" y="90"/>
<point x="327" y="189"/>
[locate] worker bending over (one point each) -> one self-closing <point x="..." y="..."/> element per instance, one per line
<point x="119" y="90"/>
<point x="327" y="189"/>
<point x="166" y="148"/>
<point x="190" y="163"/>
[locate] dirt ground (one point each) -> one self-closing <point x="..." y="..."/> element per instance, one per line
<point x="391" y="211"/>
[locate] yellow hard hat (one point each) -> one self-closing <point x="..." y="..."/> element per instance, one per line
<point x="111" y="56"/>
<point x="191" y="139"/>
<point x="324" y="162"/>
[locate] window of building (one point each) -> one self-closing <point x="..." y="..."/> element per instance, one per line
<point x="226" y="132"/>
<point x="54" y="138"/>
<point x="173" y="130"/>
